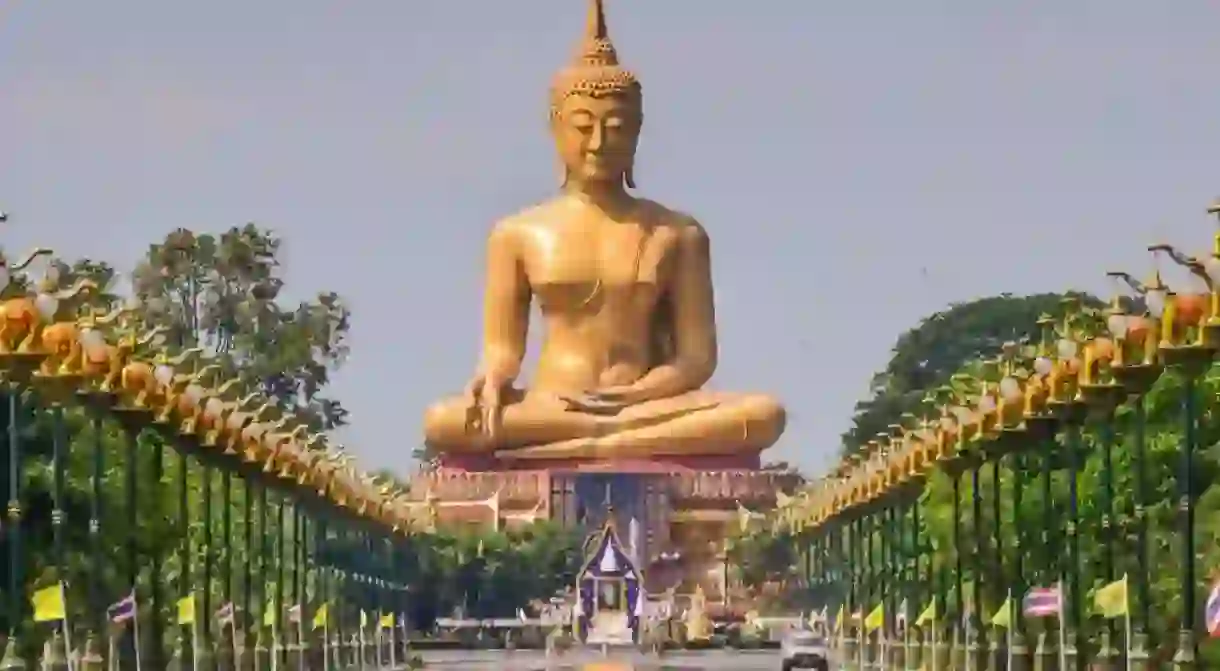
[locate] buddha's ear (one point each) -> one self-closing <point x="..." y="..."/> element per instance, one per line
<point x="563" y="174"/>
<point x="629" y="175"/>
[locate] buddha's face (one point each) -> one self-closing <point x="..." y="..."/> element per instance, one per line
<point x="596" y="136"/>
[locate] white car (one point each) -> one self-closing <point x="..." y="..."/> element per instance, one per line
<point x="804" y="649"/>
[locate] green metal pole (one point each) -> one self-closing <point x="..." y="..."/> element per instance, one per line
<point x="59" y="460"/>
<point x="227" y="635"/>
<point x="1046" y="657"/>
<point x="209" y="554"/>
<point x="156" y="582"/>
<point x="1076" y="658"/>
<point x="1143" y="613"/>
<point x="1108" y="656"/>
<point x="1187" y="653"/>
<point x="131" y="491"/>
<point x="247" y="583"/>
<point x="1020" y="545"/>
<point x="16" y="580"/>
<point x="976" y="634"/>
<point x="265" y="639"/>
<point x="871" y="588"/>
<point x="959" y="609"/>
<point x="183" y="657"/>
<point x="281" y="538"/>
<point x="58" y="656"/>
<point x="92" y="659"/>
<point x="999" y="650"/>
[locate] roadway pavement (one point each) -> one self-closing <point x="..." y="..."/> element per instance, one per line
<point x="528" y="660"/>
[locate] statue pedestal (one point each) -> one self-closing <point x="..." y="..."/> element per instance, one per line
<point x="492" y="463"/>
<point x="673" y="514"/>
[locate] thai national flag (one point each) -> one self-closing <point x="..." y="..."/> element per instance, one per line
<point x="122" y="610"/>
<point x="225" y="614"/>
<point x="1043" y="601"/>
<point x="1212" y="611"/>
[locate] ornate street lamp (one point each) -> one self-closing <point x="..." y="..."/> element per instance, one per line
<point x="1190" y="334"/>
<point x="22" y="352"/>
<point x="1100" y="390"/>
<point x="1070" y="409"/>
<point x="1137" y="368"/>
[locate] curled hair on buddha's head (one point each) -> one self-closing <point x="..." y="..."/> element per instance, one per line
<point x="595" y="72"/>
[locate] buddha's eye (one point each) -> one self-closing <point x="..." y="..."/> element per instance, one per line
<point x="581" y="121"/>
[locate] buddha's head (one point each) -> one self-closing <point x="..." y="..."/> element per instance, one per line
<point x="596" y="110"/>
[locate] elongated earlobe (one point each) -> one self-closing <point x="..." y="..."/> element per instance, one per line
<point x="629" y="176"/>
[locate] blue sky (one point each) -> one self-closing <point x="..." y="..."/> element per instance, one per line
<point x="858" y="165"/>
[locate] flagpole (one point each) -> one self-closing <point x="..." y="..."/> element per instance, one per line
<point x="1127" y="633"/>
<point x="1012" y="616"/>
<point x="135" y="629"/>
<point x="301" y="637"/>
<point x="326" y="640"/>
<point x="906" y="633"/>
<point x="862" y="636"/>
<point x="377" y="643"/>
<point x="194" y="636"/>
<point x="968" y="627"/>
<point x="67" y="627"/>
<point x="1062" y="630"/>
<point x="233" y="632"/>
<point x="393" y="642"/>
<point x="935" y="640"/>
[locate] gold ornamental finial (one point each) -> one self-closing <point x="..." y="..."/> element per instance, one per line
<point x="597" y="49"/>
<point x="595" y="71"/>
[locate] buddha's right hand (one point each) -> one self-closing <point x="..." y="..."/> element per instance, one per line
<point x="485" y="403"/>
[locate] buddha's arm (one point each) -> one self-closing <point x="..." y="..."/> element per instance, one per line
<point x="694" y="323"/>
<point x="506" y="304"/>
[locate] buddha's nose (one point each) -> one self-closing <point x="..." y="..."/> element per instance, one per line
<point x="596" y="138"/>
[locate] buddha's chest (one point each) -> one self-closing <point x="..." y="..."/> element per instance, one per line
<point x="612" y="254"/>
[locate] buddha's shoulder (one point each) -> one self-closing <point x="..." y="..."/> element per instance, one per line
<point x="530" y="218"/>
<point x="683" y="224"/>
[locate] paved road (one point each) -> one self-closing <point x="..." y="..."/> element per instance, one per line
<point x="523" y="660"/>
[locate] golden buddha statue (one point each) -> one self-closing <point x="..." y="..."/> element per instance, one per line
<point x="625" y="290"/>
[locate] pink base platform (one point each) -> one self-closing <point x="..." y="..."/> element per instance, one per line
<point x="484" y="463"/>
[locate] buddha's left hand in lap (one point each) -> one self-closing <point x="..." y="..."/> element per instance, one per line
<point x="604" y="401"/>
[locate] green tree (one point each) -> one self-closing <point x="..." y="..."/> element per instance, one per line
<point x="953" y="343"/>
<point x="927" y="355"/>
<point x="223" y="292"/>
<point x="216" y="291"/>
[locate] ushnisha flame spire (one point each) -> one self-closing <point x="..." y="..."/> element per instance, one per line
<point x="595" y="70"/>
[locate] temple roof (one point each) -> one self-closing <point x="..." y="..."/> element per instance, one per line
<point x="608" y="558"/>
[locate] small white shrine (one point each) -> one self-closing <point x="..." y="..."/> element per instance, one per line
<point x="610" y="597"/>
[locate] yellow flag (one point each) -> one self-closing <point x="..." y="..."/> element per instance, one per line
<point x="271" y="614"/>
<point x="928" y="615"/>
<point x="1111" y="600"/>
<point x="364" y="619"/>
<point x="840" y="617"/>
<point x="1003" y="616"/>
<point x="875" y="619"/>
<point x="49" y="604"/>
<point x="186" y="610"/>
<point x="386" y="621"/>
<point x="320" y="616"/>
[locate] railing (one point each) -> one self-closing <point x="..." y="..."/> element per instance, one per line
<point x="230" y="529"/>
<point x="1012" y="434"/>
